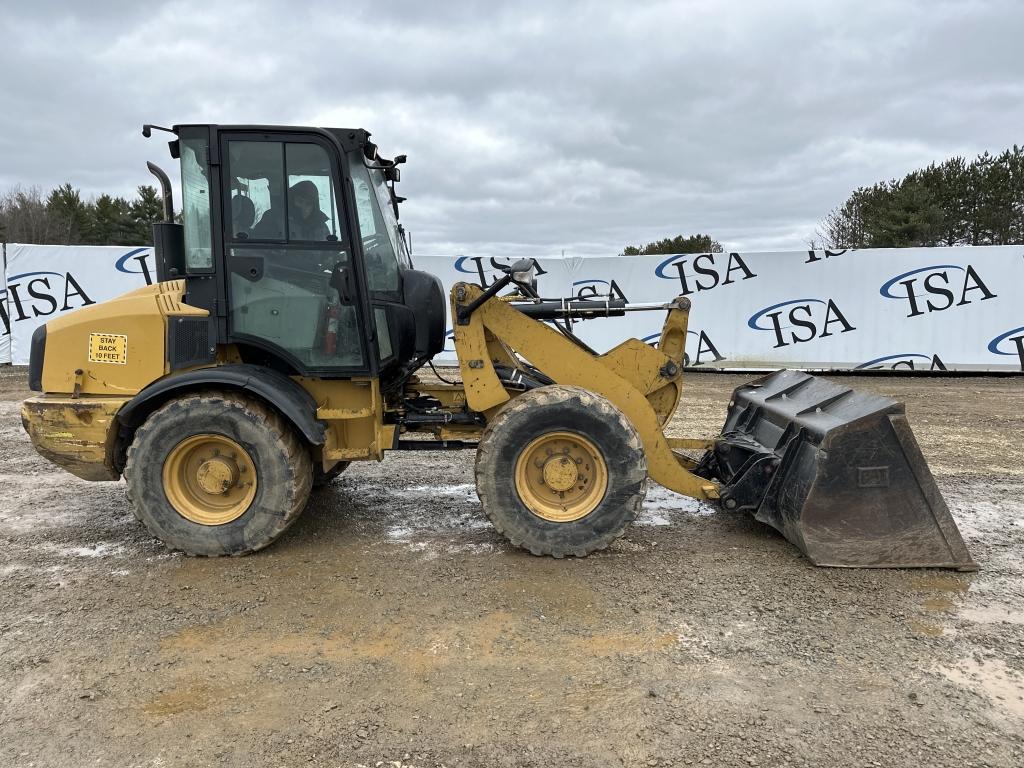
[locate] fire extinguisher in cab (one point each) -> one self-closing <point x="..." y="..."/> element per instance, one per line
<point x="331" y="334"/>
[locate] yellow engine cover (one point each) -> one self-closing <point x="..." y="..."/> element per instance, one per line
<point x="117" y="347"/>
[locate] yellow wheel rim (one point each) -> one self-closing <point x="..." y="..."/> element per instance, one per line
<point x="209" y="479"/>
<point x="561" y="477"/>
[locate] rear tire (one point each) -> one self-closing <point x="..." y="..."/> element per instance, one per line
<point x="561" y="471"/>
<point x="321" y="478"/>
<point x="190" y="468"/>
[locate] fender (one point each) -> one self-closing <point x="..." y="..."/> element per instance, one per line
<point x="284" y="394"/>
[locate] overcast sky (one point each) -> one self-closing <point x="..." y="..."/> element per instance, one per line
<point x="533" y="127"/>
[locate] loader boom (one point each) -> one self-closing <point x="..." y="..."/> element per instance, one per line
<point x="643" y="382"/>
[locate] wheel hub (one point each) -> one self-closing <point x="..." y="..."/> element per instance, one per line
<point x="217" y="475"/>
<point x="560" y="473"/>
<point x="209" y="479"/>
<point x="561" y="477"/>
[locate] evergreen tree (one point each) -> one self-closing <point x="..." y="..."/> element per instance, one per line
<point x="677" y="244"/>
<point x="146" y="209"/>
<point x="71" y="216"/>
<point x="952" y="203"/>
<point x="63" y="218"/>
<point x="111" y="223"/>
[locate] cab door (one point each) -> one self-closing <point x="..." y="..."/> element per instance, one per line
<point x="291" y="278"/>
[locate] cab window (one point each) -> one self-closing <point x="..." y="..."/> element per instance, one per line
<point x="282" y="191"/>
<point x="381" y="263"/>
<point x="195" y="193"/>
<point x="286" y="247"/>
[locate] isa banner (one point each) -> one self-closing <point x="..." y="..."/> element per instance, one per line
<point x="897" y="309"/>
<point x="5" y="323"/>
<point x="46" y="281"/>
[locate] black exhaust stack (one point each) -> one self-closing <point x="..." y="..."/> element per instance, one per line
<point x="168" y="237"/>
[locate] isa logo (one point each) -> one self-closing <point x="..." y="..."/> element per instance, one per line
<point x="798" y="321"/>
<point x="40" y="294"/>
<point x="707" y="352"/>
<point x="593" y="289"/>
<point x="5" y="320"/>
<point x="936" y="288"/>
<point x="812" y="256"/>
<point x="136" y="262"/>
<point x="909" y="361"/>
<point x="1009" y="343"/>
<point x="485" y="274"/>
<point x="704" y="271"/>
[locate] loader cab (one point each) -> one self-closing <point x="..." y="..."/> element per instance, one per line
<point x="290" y="237"/>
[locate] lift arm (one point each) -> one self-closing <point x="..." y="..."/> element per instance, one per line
<point x="642" y="382"/>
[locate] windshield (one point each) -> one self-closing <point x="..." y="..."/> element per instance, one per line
<point x="383" y="193"/>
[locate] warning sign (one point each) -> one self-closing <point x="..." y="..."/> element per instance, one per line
<point x="108" y="348"/>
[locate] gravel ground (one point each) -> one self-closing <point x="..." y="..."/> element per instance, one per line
<point x="392" y="627"/>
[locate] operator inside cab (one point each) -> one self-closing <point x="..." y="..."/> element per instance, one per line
<point x="305" y="219"/>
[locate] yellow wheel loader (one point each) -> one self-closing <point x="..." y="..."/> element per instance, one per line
<point x="282" y="342"/>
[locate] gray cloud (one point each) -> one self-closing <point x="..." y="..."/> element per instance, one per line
<point x="535" y="127"/>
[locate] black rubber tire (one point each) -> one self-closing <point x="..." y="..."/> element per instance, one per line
<point x="283" y="469"/>
<point x="552" y="409"/>
<point x="321" y="478"/>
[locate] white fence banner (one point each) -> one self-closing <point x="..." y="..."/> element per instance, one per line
<point x="5" y="323"/>
<point x="46" y="281"/>
<point x="900" y="309"/>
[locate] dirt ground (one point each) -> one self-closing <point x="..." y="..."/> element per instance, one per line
<point x="392" y="627"/>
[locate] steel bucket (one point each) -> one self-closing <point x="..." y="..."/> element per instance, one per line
<point x="838" y="472"/>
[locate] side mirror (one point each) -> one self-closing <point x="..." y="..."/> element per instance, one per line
<point x="391" y="173"/>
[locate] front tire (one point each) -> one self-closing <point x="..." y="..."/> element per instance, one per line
<point x="561" y="471"/>
<point x="216" y="474"/>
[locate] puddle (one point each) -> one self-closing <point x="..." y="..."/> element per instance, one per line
<point x="992" y="614"/>
<point x="661" y="508"/>
<point x="1002" y="686"/>
<point x="939" y="582"/>
<point x="979" y="518"/>
<point x="195" y="698"/>
<point x="937" y="605"/>
<point x="926" y="629"/>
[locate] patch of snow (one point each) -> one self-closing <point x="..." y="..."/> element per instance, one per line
<point x="648" y="517"/>
<point x="100" y="549"/>
<point x="399" y="532"/>
<point x="462" y="490"/>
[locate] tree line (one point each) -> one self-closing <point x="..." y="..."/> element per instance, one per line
<point x="677" y="244"/>
<point x="956" y="202"/>
<point x="63" y="217"/>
